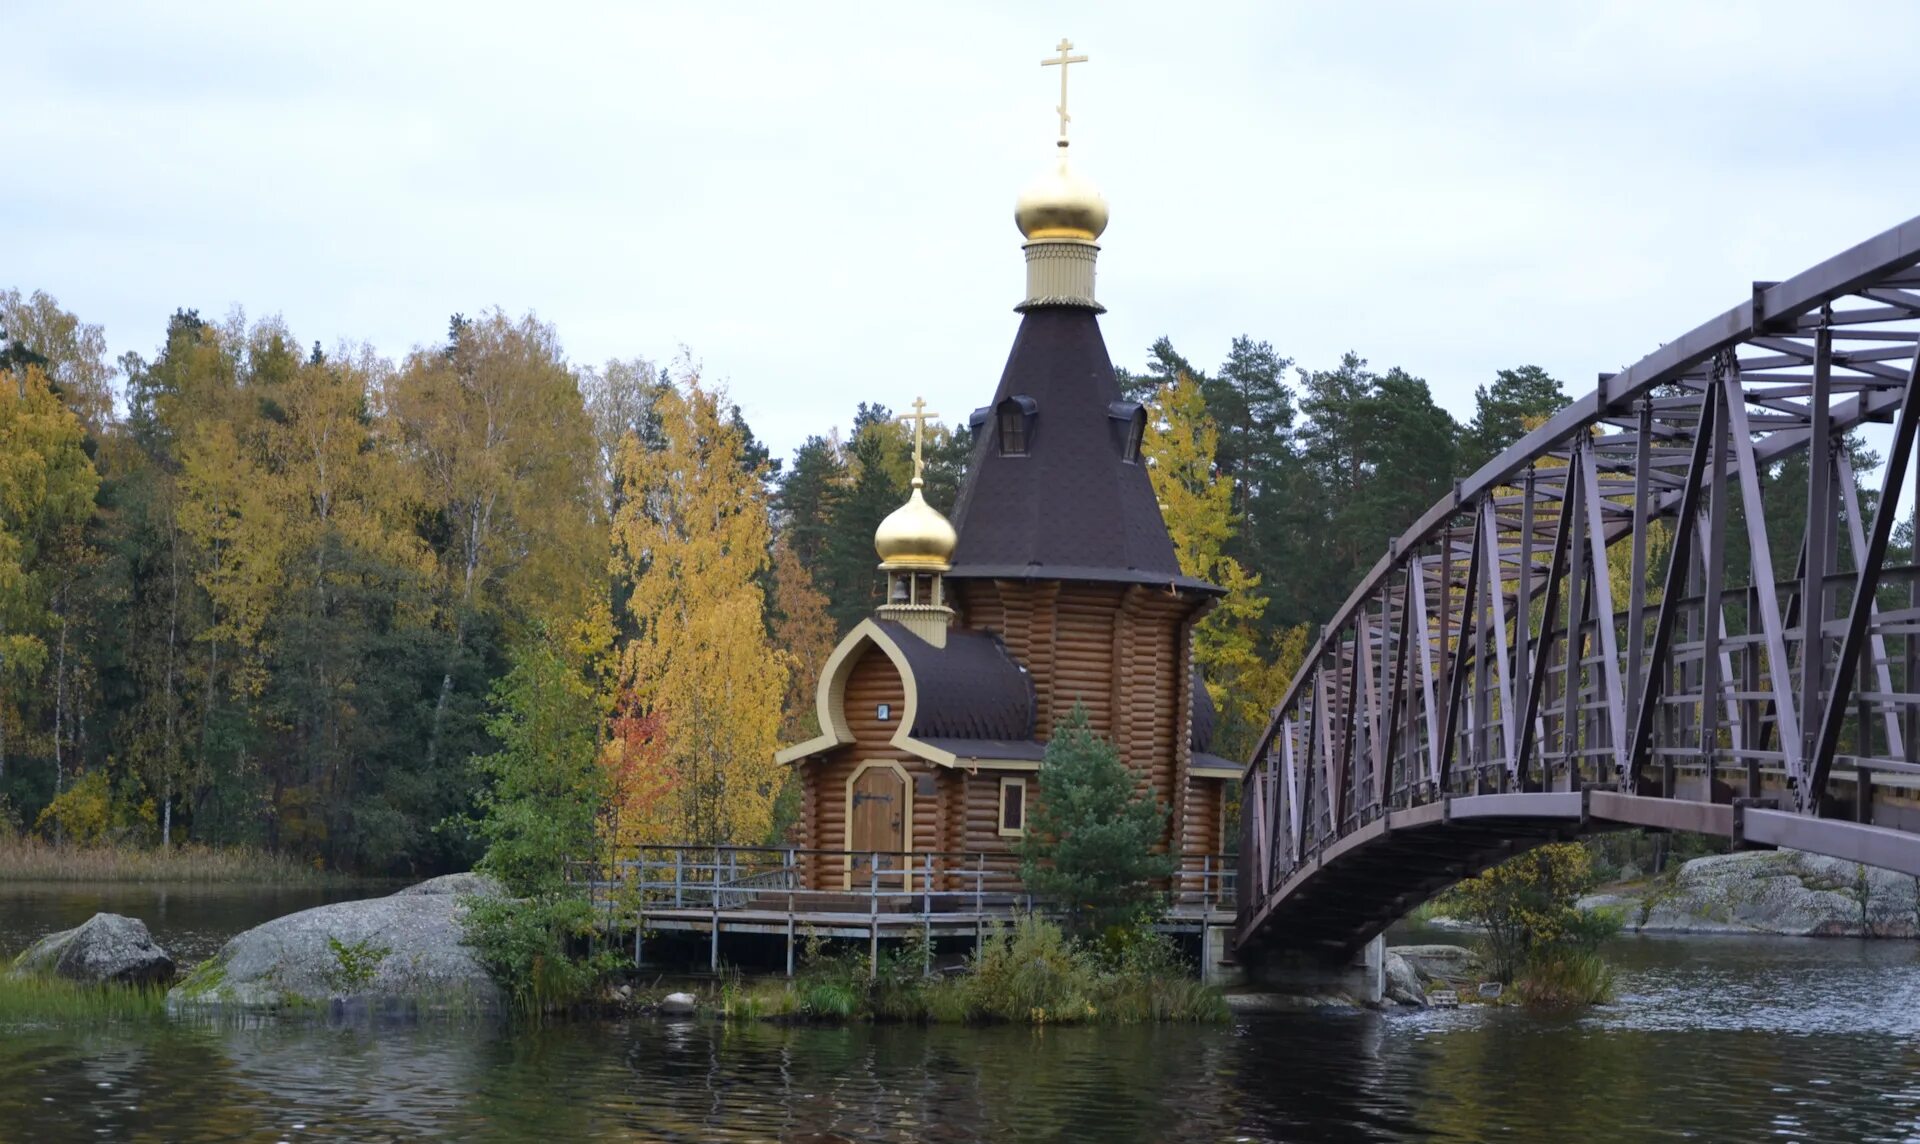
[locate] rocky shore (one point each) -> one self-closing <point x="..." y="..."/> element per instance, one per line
<point x="1785" y="893"/>
<point x="403" y="952"/>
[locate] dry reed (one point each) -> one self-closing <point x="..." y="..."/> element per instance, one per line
<point x="32" y="860"/>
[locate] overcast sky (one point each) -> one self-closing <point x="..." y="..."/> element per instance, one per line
<point x="816" y="200"/>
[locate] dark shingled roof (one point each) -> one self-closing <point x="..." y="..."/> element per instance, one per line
<point x="1203" y="761"/>
<point x="1206" y="720"/>
<point x="970" y="689"/>
<point x="1205" y="717"/>
<point x="1071" y="508"/>
<point x="1024" y="750"/>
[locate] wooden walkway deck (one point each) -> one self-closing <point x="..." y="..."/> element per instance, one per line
<point x="719" y="891"/>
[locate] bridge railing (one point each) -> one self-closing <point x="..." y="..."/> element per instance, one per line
<point x="1676" y="587"/>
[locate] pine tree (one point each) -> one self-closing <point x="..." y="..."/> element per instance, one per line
<point x="878" y="464"/>
<point x="809" y="499"/>
<point x="1376" y="452"/>
<point x="1503" y="412"/>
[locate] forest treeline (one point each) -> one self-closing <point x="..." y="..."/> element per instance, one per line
<point x="257" y="591"/>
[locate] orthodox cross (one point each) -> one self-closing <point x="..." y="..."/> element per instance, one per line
<point x="919" y="417"/>
<point x="1065" y="47"/>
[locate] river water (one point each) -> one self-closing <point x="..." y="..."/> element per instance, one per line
<point x="1711" y="1039"/>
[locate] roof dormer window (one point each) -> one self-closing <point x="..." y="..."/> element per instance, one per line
<point x="1127" y="421"/>
<point x="1014" y="424"/>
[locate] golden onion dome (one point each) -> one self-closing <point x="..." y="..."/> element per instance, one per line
<point x="915" y="535"/>
<point x="1060" y="205"/>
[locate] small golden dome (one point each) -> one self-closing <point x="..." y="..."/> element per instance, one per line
<point x="915" y="535"/>
<point x="1060" y="205"/>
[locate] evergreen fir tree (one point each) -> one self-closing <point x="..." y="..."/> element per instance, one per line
<point x="1090" y="837"/>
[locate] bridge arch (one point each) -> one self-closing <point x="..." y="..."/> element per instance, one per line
<point x="1616" y="624"/>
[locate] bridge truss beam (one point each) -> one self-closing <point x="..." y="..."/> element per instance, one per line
<point x="1605" y="607"/>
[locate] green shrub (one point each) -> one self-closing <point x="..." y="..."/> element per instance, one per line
<point x="538" y="805"/>
<point x="1526" y="904"/>
<point x="1027" y="973"/>
<point x="1031" y="973"/>
<point x="1536" y="938"/>
<point x="354" y="963"/>
<point x="533" y="948"/>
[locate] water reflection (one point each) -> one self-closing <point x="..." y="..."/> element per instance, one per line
<point x="191" y="921"/>
<point x="1712" y="1040"/>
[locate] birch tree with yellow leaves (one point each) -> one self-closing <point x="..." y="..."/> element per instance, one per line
<point x="1196" y="499"/>
<point x="692" y="536"/>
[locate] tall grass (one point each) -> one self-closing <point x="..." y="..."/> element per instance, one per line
<point x="32" y="860"/>
<point x="34" y="999"/>
<point x="1565" y="979"/>
<point x="1028" y="974"/>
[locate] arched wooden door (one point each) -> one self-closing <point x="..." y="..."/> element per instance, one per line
<point x="877" y="814"/>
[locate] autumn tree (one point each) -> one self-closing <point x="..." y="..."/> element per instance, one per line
<point x="1196" y="500"/>
<point x="692" y="535"/>
<point x="70" y="358"/>
<point x="619" y="401"/>
<point x="494" y="425"/>
<point x="803" y="629"/>
<point x="72" y="354"/>
<point x="47" y="487"/>
<point x="356" y="579"/>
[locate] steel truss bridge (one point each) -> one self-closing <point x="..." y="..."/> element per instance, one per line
<point x="1597" y="630"/>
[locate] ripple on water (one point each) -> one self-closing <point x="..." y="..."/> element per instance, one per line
<point x="1718" y="1039"/>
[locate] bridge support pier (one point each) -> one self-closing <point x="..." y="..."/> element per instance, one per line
<point x="1362" y="977"/>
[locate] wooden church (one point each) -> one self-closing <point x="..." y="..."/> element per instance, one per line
<point x="1055" y="583"/>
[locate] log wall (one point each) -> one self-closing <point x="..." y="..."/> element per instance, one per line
<point x="1123" y="650"/>
<point x="873" y="680"/>
<point x="979" y="818"/>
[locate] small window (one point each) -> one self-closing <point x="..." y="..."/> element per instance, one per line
<point x="1013" y="431"/>
<point x="1013" y="806"/>
<point x="883" y="711"/>
<point x="1136" y="433"/>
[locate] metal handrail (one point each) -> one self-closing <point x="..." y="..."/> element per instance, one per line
<point x="666" y="876"/>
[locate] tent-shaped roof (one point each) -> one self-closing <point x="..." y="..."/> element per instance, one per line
<point x="1072" y="505"/>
